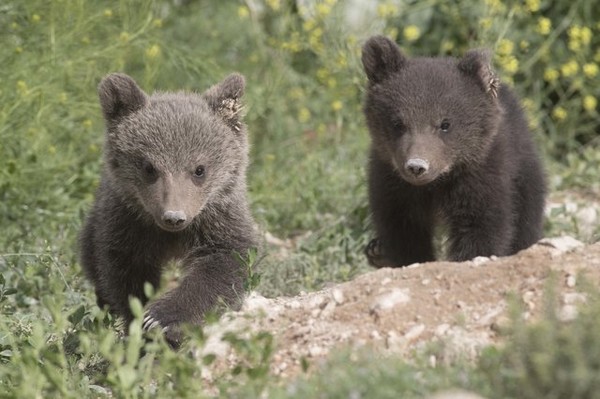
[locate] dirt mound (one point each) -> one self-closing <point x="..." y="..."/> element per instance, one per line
<point x="397" y="310"/>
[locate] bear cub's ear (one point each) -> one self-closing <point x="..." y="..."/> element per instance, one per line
<point x="225" y="99"/>
<point x="120" y="96"/>
<point x="477" y="64"/>
<point x="381" y="57"/>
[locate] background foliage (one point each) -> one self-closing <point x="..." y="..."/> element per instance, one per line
<point x="307" y="181"/>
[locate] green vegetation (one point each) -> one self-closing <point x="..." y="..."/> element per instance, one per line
<point x="307" y="179"/>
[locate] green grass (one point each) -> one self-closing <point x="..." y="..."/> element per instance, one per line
<point x="307" y="178"/>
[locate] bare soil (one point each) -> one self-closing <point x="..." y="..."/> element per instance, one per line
<point x="396" y="311"/>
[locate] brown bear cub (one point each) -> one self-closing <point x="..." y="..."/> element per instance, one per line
<point x="450" y="144"/>
<point x="173" y="186"/>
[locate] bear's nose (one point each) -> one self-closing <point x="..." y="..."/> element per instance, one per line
<point x="416" y="166"/>
<point x="174" y="218"/>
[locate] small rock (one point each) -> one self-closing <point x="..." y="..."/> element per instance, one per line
<point x="338" y="296"/>
<point x="455" y="394"/>
<point x="390" y="299"/>
<point x="571" y="281"/>
<point x="573" y="298"/>
<point x="480" y="260"/>
<point x="432" y="361"/>
<point x="441" y="329"/>
<point x="568" y="313"/>
<point x="414" y="332"/>
<point x="315" y="351"/>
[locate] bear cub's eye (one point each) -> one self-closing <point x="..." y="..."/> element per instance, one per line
<point x="398" y="125"/>
<point x="148" y="168"/>
<point x="445" y="126"/>
<point x="199" y="172"/>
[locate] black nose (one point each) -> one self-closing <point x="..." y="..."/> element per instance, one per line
<point x="416" y="166"/>
<point x="174" y="218"/>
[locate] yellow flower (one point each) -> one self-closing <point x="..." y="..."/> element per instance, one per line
<point x="524" y="45"/>
<point x="590" y="103"/>
<point x="124" y="37"/>
<point x="274" y="4"/>
<point x="510" y="64"/>
<point x="447" y="46"/>
<point x="52" y="150"/>
<point x="323" y="9"/>
<point x="532" y="5"/>
<point x="157" y="23"/>
<point x="108" y="13"/>
<point x="559" y="113"/>
<point x="296" y="93"/>
<point x="153" y="51"/>
<point x="585" y="34"/>
<point x="544" y="26"/>
<point x="62" y="97"/>
<point x="35" y="18"/>
<point x="590" y="70"/>
<point x="551" y="75"/>
<point x="574" y="32"/>
<point x="336" y="105"/>
<point x="485" y="23"/>
<point x="569" y="69"/>
<point x="22" y="87"/>
<point x="411" y="33"/>
<point x="505" y="47"/>
<point x="18" y="50"/>
<point x="304" y="115"/>
<point x="392" y="33"/>
<point x="87" y="123"/>
<point x="387" y="10"/>
<point x="243" y="12"/>
<point x="309" y="24"/>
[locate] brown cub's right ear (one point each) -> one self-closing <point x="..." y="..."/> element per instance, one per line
<point x="381" y="57"/>
<point x="225" y="99"/>
<point x="120" y="96"/>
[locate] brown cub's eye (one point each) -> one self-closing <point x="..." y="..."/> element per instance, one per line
<point x="199" y="172"/>
<point x="445" y="126"/>
<point x="148" y="168"/>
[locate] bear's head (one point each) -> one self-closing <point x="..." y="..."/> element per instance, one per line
<point x="174" y="154"/>
<point x="428" y="116"/>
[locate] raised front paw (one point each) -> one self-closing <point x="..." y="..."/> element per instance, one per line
<point x="171" y="331"/>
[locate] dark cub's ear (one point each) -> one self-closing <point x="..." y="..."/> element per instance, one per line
<point x="225" y="99"/>
<point x="381" y="57"/>
<point x="477" y="64"/>
<point x="120" y="96"/>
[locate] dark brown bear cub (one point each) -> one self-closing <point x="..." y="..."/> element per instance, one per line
<point x="173" y="186"/>
<point x="450" y="144"/>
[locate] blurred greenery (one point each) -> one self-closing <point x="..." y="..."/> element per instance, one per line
<point x="301" y="60"/>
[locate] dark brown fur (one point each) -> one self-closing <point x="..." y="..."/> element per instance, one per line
<point x="173" y="187"/>
<point x="450" y="145"/>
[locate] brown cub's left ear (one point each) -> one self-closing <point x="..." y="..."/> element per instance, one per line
<point x="225" y="100"/>
<point x="477" y="63"/>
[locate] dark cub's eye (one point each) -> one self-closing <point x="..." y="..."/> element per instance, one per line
<point x="445" y="126"/>
<point x="399" y="126"/>
<point x="199" y="172"/>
